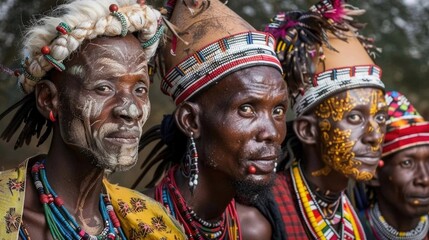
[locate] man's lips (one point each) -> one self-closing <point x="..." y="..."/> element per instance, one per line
<point x="123" y="137"/>
<point x="263" y="165"/>
<point x="418" y="199"/>
<point x="369" y="160"/>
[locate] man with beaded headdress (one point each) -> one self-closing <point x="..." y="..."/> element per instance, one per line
<point x="394" y="205"/>
<point x="225" y="135"/>
<point x="85" y="76"/>
<point x="338" y="99"/>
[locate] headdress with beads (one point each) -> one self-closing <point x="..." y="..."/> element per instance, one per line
<point x="322" y="53"/>
<point x="52" y="39"/>
<point x="207" y="42"/>
<point x="405" y="126"/>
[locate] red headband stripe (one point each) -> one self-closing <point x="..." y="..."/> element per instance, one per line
<point x="409" y="136"/>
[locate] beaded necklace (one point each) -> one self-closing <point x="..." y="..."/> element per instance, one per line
<point x="61" y="223"/>
<point x="384" y="231"/>
<point x="227" y="228"/>
<point x="320" y="227"/>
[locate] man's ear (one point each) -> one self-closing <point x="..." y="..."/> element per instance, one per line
<point x="46" y="98"/>
<point x="187" y="118"/>
<point x="305" y="128"/>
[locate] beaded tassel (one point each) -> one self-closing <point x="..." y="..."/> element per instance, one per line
<point x="190" y="168"/>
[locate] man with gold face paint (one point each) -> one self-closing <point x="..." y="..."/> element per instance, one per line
<point x="338" y="99"/>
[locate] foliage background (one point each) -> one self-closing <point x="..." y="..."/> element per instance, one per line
<point x="399" y="27"/>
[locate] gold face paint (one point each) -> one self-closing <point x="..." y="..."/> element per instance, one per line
<point x="334" y="108"/>
<point x="339" y="137"/>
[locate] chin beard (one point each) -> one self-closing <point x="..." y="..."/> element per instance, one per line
<point x="116" y="165"/>
<point x="249" y="192"/>
<point x="109" y="163"/>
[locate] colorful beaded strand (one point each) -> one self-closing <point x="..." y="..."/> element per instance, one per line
<point x="195" y="227"/>
<point x="60" y="222"/>
<point x="319" y="226"/>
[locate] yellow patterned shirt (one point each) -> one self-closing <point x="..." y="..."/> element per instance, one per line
<point x="141" y="217"/>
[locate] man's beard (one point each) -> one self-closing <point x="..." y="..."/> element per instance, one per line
<point x="249" y="192"/>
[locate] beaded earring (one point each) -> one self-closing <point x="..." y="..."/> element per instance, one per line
<point x="190" y="164"/>
<point x="52" y="116"/>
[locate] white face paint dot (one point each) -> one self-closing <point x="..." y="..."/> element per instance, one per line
<point x="133" y="110"/>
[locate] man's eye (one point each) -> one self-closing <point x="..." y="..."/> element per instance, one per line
<point x="381" y="118"/>
<point x="406" y="163"/>
<point x="104" y="88"/>
<point x="354" y="118"/>
<point x="141" y="90"/>
<point x="279" y="111"/>
<point x="246" y="109"/>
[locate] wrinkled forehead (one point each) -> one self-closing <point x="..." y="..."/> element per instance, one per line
<point x="112" y="56"/>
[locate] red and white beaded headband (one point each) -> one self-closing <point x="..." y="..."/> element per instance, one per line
<point x="217" y="60"/>
<point x="333" y="81"/>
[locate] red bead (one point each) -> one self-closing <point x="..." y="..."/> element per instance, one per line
<point x="35" y="168"/>
<point x="113" y="8"/>
<point x="58" y="201"/>
<point x="81" y="233"/>
<point x="17" y="72"/>
<point x="380" y="163"/>
<point x="45" y="50"/>
<point x="43" y="198"/>
<point x="61" y="30"/>
<point x="251" y="169"/>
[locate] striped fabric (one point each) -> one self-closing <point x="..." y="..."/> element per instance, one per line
<point x="288" y="207"/>
<point x="216" y="61"/>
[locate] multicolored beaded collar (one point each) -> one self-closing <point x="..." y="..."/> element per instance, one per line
<point x="227" y="228"/>
<point x="317" y="223"/>
<point x="383" y="231"/>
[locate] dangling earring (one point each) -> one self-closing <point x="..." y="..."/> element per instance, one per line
<point x="380" y="163"/>
<point x="190" y="165"/>
<point x="52" y="117"/>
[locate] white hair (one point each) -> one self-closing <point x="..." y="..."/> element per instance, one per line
<point x="87" y="19"/>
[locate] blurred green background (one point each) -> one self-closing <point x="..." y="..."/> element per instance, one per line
<point x="400" y="27"/>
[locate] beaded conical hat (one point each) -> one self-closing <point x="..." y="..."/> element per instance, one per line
<point x="211" y="42"/>
<point x="343" y="53"/>
<point x="322" y="53"/>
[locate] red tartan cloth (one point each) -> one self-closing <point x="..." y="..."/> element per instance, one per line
<point x="284" y="196"/>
